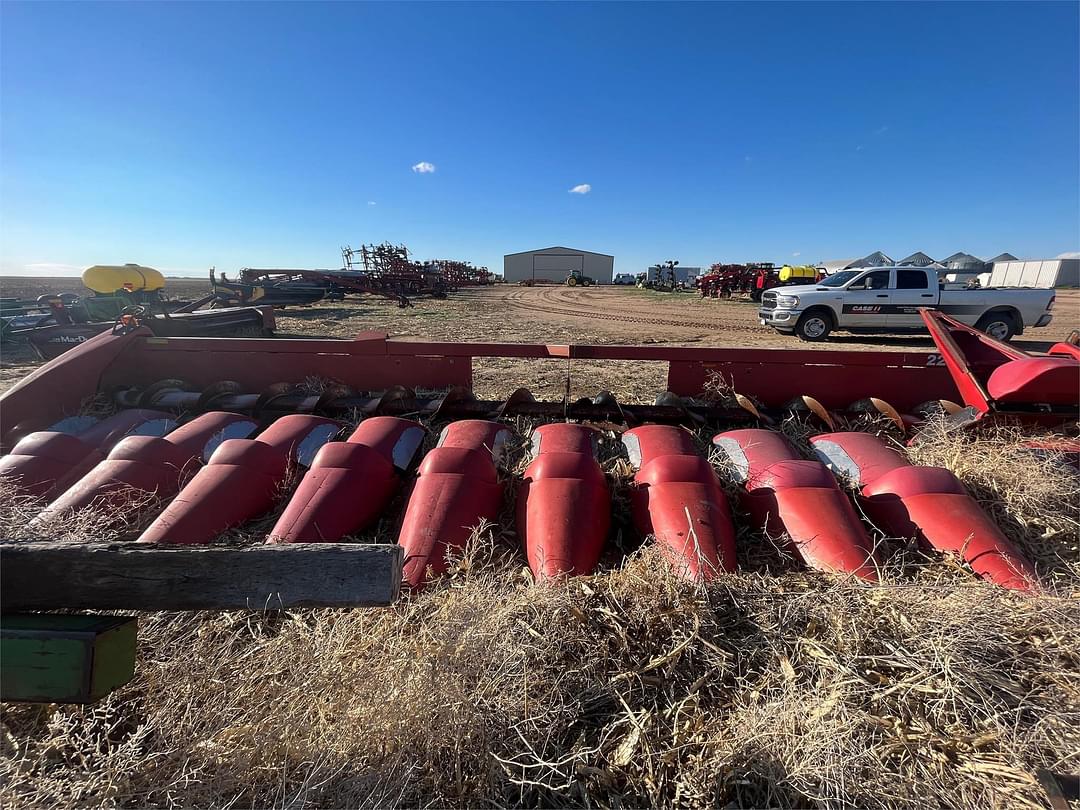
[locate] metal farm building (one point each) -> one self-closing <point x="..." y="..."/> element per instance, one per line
<point x="554" y="264"/>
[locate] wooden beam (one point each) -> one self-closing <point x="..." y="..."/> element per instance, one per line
<point x="38" y="575"/>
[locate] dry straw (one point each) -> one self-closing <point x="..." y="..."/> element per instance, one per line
<point x="772" y="687"/>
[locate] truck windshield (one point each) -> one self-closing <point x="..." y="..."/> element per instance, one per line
<point x="839" y="279"/>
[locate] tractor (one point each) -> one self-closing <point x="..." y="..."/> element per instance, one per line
<point x="576" y="277"/>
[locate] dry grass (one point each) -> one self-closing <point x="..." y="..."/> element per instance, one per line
<point x="772" y="687"/>
<point x="121" y="518"/>
<point x="625" y="688"/>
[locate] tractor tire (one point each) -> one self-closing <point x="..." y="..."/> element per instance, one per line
<point x="814" y="325"/>
<point x="586" y="282"/>
<point x="755" y="295"/>
<point x="571" y="282"/>
<point x="998" y="325"/>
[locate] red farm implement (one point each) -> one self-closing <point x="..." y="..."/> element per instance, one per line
<point x="389" y="268"/>
<point x="461" y="274"/>
<point x="207" y="434"/>
<point x="384" y="270"/>
<point x="215" y="428"/>
<point x="199" y="436"/>
<point x="726" y="280"/>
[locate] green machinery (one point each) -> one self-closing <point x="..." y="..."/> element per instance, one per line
<point x="64" y="658"/>
<point x="576" y="278"/>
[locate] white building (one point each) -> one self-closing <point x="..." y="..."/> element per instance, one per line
<point x="554" y="264"/>
<point x="1001" y="271"/>
<point x="1044" y="273"/>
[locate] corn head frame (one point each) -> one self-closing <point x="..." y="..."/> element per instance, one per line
<point x="214" y="428"/>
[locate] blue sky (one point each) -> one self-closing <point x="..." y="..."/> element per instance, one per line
<point x="188" y="135"/>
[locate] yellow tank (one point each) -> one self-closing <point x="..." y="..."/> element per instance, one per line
<point x="798" y="272"/>
<point x="108" y="278"/>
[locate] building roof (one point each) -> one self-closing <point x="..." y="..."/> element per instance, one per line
<point x="875" y="259"/>
<point x="917" y="259"/>
<point x="962" y="257"/>
<point x="963" y="261"/>
<point x="1004" y="257"/>
<point x="559" y="247"/>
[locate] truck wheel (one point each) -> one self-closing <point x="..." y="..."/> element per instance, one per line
<point x="813" y="325"/>
<point x="998" y="325"/>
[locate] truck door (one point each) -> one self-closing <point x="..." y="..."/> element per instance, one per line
<point x="866" y="301"/>
<point x="912" y="290"/>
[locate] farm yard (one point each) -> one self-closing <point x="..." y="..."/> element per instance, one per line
<point x="771" y="686"/>
<point x="540" y="405"/>
<point x="554" y="314"/>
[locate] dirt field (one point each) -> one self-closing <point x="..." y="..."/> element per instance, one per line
<point x="508" y="313"/>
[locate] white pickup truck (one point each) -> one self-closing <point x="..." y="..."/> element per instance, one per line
<point x="887" y="299"/>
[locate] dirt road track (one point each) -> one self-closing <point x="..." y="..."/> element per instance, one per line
<point x="599" y="305"/>
<point x="731" y="323"/>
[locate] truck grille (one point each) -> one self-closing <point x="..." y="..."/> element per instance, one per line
<point x="768" y="300"/>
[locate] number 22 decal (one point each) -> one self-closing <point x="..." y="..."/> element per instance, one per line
<point x="935" y="360"/>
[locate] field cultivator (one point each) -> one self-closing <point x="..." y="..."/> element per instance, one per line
<point x="726" y="280"/>
<point x="461" y="274"/>
<point x="389" y="268"/>
<point x="224" y="432"/>
<point x="383" y="270"/>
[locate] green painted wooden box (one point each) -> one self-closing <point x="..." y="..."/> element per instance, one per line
<point x="64" y="658"/>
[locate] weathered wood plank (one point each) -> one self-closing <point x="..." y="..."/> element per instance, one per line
<point x="38" y="575"/>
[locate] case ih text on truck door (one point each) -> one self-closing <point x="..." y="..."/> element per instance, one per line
<point x="888" y="299"/>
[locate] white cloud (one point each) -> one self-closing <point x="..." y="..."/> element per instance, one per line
<point x="859" y="148"/>
<point x="748" y="159"/>
<point x="423" y="167"/>
<point x="882" y="129"/>
<point x="1073" y="254"/>
<point x="371" y="202"/>
<point x="583" y="188"/>
<point x="797" y="253"/>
